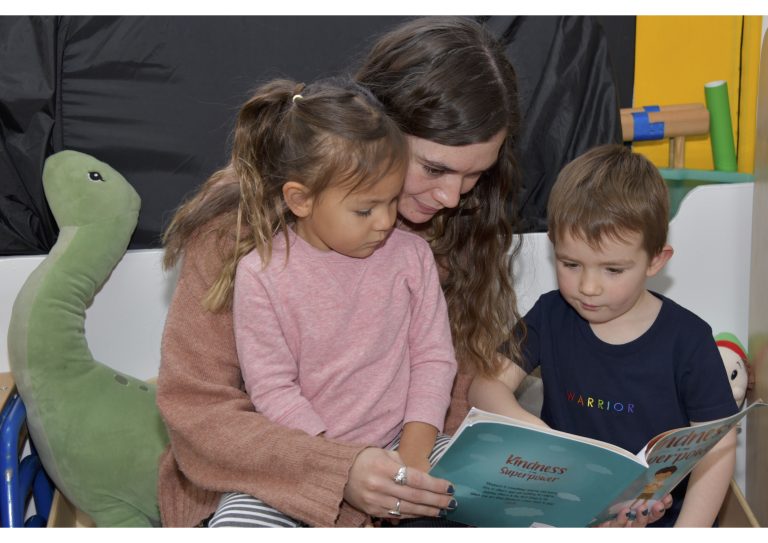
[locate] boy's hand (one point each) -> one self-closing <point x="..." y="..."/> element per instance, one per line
<point x="640" y="516"/>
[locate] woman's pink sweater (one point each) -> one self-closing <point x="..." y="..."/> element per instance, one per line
<point x="218" y="442"/>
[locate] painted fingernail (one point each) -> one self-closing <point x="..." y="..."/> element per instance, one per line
<point x="631" y="515"/>
<point x="453" y="505"/>
<point x="644" y="512"/>
<point x="443" y="513"/>
<point x="450" y="490"/>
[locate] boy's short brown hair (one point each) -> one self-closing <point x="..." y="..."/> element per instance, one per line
<point x="609" y="191"/>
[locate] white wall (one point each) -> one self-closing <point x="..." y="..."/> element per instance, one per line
<point x="125" y="323"/>
<point x="709" y="272"/>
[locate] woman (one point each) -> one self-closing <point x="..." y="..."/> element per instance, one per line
<point x="448" y="85"/>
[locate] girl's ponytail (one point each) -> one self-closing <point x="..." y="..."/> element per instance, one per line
<point x="258" y="138"/>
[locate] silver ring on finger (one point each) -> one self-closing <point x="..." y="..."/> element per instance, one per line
<point x="401" y="477"/>
<point x="396" y="511"/>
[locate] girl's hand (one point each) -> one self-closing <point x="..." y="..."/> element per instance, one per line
<point x="418" y="463"/>
<point x="371" y="488"/>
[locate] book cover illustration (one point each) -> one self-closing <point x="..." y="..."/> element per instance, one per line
<point x="507" y="473"/>
<point x="671" y="456"/>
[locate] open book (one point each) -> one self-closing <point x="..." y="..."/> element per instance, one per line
<point x="509" y="473"/>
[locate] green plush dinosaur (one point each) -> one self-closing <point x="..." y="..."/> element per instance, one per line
<point x="98" y="432"/>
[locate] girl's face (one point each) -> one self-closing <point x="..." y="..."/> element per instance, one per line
<point x="439" y="174"/>
<point x="354" y="224"/>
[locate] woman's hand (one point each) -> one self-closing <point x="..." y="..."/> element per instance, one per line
<point x="634" y="518"/>
<point x="372" y="489"/>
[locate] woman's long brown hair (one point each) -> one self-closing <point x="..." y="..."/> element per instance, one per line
<point x="447" y="80"/>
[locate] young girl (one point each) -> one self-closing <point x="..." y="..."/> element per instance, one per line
<point x="340" y="323"/>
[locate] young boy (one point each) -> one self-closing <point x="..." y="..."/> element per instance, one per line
<point x="620" y="363"/>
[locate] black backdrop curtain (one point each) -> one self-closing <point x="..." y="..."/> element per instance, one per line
<point x="155" y="97"/>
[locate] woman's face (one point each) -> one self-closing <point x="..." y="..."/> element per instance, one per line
<point x="439" y="174"/>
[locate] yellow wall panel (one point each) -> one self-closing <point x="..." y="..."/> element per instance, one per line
<point x="674" y="57"/>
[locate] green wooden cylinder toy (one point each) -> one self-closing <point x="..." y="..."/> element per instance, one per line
<point x="720" y="127"/>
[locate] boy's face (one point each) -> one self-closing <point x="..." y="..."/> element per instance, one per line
<point x="607" y="283"/>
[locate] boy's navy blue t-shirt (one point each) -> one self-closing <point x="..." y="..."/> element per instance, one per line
<point x="626" y="394"/>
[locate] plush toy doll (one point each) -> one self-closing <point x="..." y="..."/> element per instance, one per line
<point x="736" y="364"/>
<point x="98" y="432"/>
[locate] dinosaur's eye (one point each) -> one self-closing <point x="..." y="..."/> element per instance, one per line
<point x="734" y="374"/>
<point x="95" y="176"/>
